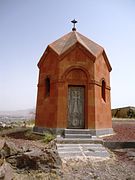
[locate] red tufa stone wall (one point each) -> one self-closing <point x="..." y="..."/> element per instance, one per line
<point x="46" y="108"/>
<point x="102" y="108"/>
<point x="76" y="67"/>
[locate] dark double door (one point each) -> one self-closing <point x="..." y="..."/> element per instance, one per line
<point x="76" y="107"/>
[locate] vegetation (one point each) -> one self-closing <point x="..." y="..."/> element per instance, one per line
<point x="131" y="113"/>
<point x="125" y="112"/>
<point x="30" y="123"/>
<point x="48" y="137"/>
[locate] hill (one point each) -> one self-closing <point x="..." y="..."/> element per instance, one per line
<point x="124" y="112"/>
<point x="17" y="115"/>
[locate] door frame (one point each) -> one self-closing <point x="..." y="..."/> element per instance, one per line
<point x="84" y="106"/>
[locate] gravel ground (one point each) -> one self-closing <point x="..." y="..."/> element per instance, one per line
<point x="121" y="166"/>
<point x="113" y="169"/>
<point x="124" y="132"/>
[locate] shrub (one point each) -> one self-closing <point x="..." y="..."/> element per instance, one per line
<point x="48" y="137"/>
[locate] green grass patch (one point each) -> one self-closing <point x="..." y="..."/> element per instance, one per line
<point x="48" y="137"/>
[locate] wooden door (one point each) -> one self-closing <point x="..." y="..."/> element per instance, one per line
<point x="75" y="107"/>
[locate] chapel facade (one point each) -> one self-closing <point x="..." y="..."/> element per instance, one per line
<point x="74" y="86"/>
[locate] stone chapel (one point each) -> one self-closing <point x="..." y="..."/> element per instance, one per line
<point x="74" y="87"/>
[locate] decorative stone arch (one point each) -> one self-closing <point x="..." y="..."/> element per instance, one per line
<point x="76" y="70"/>
<point x="102" y="79"/>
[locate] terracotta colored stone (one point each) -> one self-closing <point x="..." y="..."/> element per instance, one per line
<point x="73" y="60"/>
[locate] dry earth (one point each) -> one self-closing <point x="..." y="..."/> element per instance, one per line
<point x="124" y="131"/>
<point x="121" y="166"/>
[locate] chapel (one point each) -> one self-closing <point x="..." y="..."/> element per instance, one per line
<point x="74" y="86"/>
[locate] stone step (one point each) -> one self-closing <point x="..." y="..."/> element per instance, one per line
<point x="77" y="131"/>
<point x="77" y="136"/>
<point x="79" y="140"/>
<point x="82" y="151"/>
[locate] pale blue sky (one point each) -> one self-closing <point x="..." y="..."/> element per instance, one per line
<point x="28" y="26"/>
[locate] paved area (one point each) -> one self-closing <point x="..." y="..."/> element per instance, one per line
<point x="82" y="151"/>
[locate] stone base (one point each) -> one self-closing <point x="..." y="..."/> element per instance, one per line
<point x="60" y="131"/>
<point x="42" y="130"/>
<point x="101" y="132"/>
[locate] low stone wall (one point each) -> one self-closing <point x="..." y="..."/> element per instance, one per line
<point x="119" y="145"/>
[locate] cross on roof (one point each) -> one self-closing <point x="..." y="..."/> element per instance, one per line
<point x="74" y="22"/>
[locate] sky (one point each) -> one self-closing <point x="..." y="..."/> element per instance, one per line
<point x="28" y="26"/>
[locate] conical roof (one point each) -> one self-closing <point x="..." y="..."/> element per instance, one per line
<point x="61" y="45"/>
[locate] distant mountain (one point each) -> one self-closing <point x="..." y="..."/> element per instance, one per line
<point x="25" y="112"/>
<point x="17" y="115"/>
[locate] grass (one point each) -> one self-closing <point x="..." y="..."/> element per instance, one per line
<point x="48" y="137"/>
<point x="28" y="134"/>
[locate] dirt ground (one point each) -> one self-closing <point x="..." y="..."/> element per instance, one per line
<point x="124" y="131"/>
<point x="111" y="169"/>
<point x="121" y="165"/>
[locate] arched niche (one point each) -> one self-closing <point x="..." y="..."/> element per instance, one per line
<point x="76" y="74"/>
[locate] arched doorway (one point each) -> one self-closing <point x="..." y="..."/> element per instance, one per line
<point x="76" y="107"/>
<point x="77" y="82"/>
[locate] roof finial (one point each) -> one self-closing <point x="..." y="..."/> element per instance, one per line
<point x="74" y="22"/>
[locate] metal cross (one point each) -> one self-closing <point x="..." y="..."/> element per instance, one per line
<point x="74" y="22"/>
